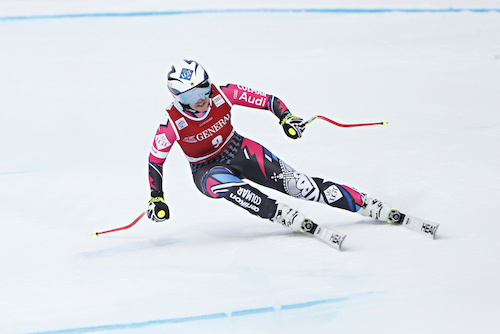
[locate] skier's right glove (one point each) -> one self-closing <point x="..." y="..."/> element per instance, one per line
<point x="158" y="210"/>
<point x="293" y="126"/>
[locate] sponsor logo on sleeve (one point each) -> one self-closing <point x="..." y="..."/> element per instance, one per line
<point x="251" y="96"/>
<point x="162" y="142"/>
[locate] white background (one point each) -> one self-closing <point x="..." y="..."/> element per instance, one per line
<point x="80" y="102"/>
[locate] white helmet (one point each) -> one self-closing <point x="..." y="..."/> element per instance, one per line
<point x="188" y="82"/>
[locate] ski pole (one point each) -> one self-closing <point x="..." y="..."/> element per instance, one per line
<point x="124" y="227"/>
<point x="342" y="125"/>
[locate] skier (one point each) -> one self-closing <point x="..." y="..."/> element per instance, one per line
<point x="199" y="119"/>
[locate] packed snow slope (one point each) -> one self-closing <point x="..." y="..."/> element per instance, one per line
<point x="81" y="97"/>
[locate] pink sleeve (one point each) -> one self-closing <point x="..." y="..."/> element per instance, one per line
<point x="164" y="139"/>
<point x="244" y="96"/>
<point x="248" y="97"/>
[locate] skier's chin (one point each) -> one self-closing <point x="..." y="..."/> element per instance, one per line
<point x="201" y="106"/>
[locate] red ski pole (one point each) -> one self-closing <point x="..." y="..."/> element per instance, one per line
<point x="343" y="125"/>
<point x="122" y="228"/>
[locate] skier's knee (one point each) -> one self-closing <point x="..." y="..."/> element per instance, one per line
<point x="214" y="180"/>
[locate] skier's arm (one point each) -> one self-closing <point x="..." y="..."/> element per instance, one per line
<point x="244" y="96"/>
<point x="164" y="138"/>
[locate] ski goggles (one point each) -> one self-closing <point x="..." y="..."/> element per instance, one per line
<point x="192" y="96"/>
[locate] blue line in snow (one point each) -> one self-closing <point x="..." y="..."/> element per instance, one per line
<point x="12" y="173"/>
<point x="145" y="324"/>
<point x="252" y="311"/>
<point x="262" y="10"/>
<point x="135" y="325"/>
<point x="314" y="303"/>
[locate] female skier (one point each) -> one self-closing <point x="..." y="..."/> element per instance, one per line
<point x="221" y="159"/>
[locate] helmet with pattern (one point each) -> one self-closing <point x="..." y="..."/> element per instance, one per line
<point x="188" y="82"/>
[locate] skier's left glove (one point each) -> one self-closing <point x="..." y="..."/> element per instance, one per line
<point x="293" y="126"/>
<point x="158" y="210"/>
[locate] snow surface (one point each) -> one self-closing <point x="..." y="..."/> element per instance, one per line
<point x="81" y="99"/>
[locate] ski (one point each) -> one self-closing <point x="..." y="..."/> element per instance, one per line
<point x="331" y="237"/>
<point x="418" y="225"/>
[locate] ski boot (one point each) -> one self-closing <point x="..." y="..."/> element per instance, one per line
<point x="297" y="222"/>
<point x="288" y="217"/>
<point x="380" y="210"/>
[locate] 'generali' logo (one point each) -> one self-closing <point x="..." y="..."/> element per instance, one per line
<point x="209" y="132"/>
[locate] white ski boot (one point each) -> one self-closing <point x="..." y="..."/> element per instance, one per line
<point x="380" y="210"/>
<point x="297" y="222"/>
<point x="288" y="217"/>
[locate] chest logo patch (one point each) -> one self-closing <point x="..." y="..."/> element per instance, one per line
<point x="181" y="123"/>
<point x="218" y="100"/>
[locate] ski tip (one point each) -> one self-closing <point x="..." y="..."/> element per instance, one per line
<point x="429" y="229"/>
<point x="435" y="231"/>
<point x="340" y="243"/>
<point x="336" y="240"/>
